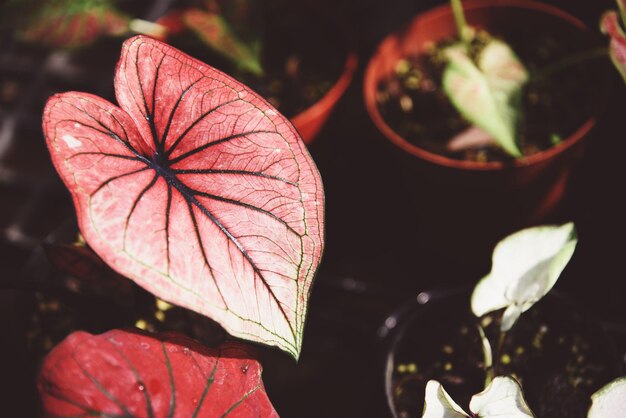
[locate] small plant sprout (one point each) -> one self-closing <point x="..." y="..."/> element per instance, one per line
<point x="503" y="397"/>
<point x="610" y="401"/>
<point x="610" y="24"/>
<point x="526" y="265"/>
<point x="486" y="88"/>
<point x="487" y="92"/>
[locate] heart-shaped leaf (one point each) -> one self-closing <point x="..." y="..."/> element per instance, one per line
<point x="196" y="189"/>
<point x="488" y="94"/>
<point x="610" y="401"/>
<point x="502" y="398"/>
<point x="526" y="265"/>
<point x="127" y="374"/>
<point x="71" y="24"/>
<point x="610" y="24"/>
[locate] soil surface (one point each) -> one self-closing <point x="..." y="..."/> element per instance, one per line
<point x="556" y="101"/>
<point x="557" y="354"/>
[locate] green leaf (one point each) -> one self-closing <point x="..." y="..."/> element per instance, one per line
<point x="610" y="401"/>
<point x="488" y="93"/>
<point x="502" y="398"/>
<point x="217" y="33"/>
<point x="526" y="265"/>
<point x="438" y="404"/>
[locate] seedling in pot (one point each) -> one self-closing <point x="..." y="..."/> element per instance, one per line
<point x="526" y="265"/>
<point x="484" y="80"/>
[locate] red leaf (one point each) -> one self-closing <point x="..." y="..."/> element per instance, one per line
<point x="122" y="373"/>
<point x="196" y="189"/>
<point x="611" y="26"/>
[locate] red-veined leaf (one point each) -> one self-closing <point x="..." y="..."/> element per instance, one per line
<point x="74" y="24"/>
<point x="124" y="374"/>
<point x="610" y="24"/>
<point x="196" y="189"/>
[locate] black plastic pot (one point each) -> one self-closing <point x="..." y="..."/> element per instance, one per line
<point x="559" y="352"/>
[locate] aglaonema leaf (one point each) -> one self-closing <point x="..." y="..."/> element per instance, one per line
<point x="196" y="189"/>
<point x="488" y="93"/>
<point x="610" y="24"/>
<point x="128" y="374"/>
<point x="71" y="24"/>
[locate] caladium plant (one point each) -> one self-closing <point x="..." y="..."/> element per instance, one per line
<point x="123" y="374"/>
<point x="526" y="265"/>
<point x="196" y="189"/>
<point x="485" y="89"/>
<point x="612" y="23"/>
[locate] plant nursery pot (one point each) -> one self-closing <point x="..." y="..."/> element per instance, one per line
<point x="464" y="207"/>
<point x="559" y="354"/>
<point x="311" y="120"/>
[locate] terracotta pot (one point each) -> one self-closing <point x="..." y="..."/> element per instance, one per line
<point x="465" y="207"/>
<point x="311" y="120"/>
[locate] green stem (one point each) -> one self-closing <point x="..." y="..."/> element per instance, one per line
<point x="622" y="12"/>
<point x="570" y="61"/>
<point x="459" y="20"/>
<point x="488" y="356"/>
<point x="491" y="372"/>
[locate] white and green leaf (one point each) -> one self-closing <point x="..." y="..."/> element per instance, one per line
<point x="502" y="398"/>
<point x="526" y="265"/>
<point x="610" y="401"/>
<point x="438" y="404"/>
<point x="488" y="93"/>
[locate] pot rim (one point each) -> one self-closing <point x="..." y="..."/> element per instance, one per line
<point x="440" y="12"/>
<point x="330" y="99"/>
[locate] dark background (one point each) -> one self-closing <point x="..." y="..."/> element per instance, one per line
<point x="373" y="263"/>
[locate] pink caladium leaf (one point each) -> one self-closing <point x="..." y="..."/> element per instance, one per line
<point x="128" y="374"/>
<point x="196" y="189"/>
<point x="610" y="24"/>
